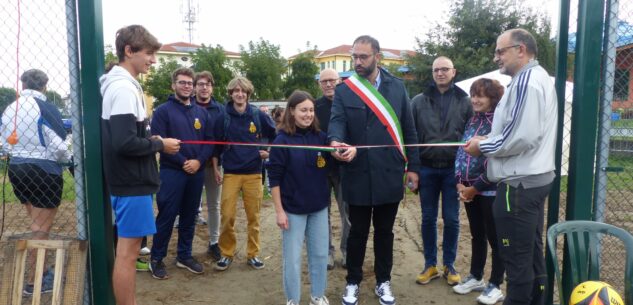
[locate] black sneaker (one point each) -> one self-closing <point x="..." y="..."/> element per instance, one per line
<point x="214" y="252"/>
<point x="158" y="270"/>
<point x="255" y="263"/>
<point x="223" y="264"/>
<point x="190" y="264"/>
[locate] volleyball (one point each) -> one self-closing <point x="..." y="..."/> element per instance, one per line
<point x="594" y="293"/>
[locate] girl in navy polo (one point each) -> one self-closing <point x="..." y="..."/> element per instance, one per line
<point x="298" y="181"/>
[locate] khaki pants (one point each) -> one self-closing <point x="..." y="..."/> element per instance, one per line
<point x="252" y="193"/>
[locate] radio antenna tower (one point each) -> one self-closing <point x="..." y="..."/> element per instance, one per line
<point x="189" y="10"/>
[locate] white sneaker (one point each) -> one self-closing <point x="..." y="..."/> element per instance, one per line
<point x="491" y="295"/>
<point x="469" y="284"/>
<point x="291" y="302"/>
<point x="145" y="251"/>
<point x="351" y="295"/>
<point x="383" y="291"/>
<point x="319" y="301"/>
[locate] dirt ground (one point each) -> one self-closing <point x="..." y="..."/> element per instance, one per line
<point x="241" y="285"/>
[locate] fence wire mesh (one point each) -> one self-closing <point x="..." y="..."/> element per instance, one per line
<point x="613" y="183"/>
<point x="613" y="202"/>
<point x="40" y="136"/>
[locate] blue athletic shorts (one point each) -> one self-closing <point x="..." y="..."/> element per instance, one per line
<point x="134" y="215"/>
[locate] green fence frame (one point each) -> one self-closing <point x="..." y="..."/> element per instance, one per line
<point x="99" y="211"/>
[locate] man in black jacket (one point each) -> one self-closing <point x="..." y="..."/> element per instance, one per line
<point x="440" y="115"/>
<point x="328" y="79"/>
<point x="372" y="108"/>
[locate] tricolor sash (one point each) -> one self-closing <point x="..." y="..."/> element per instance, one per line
<point x="381" y="108"/>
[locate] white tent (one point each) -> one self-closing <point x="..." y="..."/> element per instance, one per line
<point x="569" y="94"/>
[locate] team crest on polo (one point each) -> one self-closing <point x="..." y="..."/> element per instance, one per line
<point x="197" y="124"/>
<point x="320" y="161"/>
<point x="252" y="128"/>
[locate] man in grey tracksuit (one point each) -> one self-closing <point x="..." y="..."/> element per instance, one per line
<point x="520" y="151"/>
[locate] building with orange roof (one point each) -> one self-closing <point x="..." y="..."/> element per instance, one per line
<point x="339" y="58"/>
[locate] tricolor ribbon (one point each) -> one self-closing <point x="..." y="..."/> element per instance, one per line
<point x="319" y="147"/>
<point x="381" y="108"/>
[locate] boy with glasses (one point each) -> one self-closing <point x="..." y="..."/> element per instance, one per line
<point x="181" y="175"/>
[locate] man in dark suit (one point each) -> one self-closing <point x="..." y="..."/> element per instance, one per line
<point x="372" y="108"/>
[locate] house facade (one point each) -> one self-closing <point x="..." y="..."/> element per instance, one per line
<point x="339" y="58"/>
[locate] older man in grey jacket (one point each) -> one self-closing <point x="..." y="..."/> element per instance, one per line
<point x="520" y="151"/>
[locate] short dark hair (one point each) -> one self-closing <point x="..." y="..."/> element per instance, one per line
<point x="490" y="88"/>
<point x="34" y="79"/>
<point x="526" y="38"/>
<point x="181" y="71"/>
<point x="375" y="45"/>
<point x="137" y="37"/>
<point x="204" y="74"/>
<point x="288" y="124"/>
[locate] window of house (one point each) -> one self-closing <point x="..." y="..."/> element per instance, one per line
<point x="621" y="84"/>
<point x="322" y="66"/>
<point x="344" y="66"/>
<point x="334" y="64"/>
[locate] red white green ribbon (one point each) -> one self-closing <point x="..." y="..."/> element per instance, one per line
<point x="381" y="108"/>
<point x="320" y="147"/>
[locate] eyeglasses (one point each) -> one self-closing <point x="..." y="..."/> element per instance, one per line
<point x="501" y="51"/>
<point x="362" y="57"/>
<point x="326" y="81"/>
<point x="443" y="70"/>
<point x="203" y="84"/>
<point x="184" y="83"/>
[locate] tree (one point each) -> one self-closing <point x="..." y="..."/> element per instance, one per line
<point x="158" y="82"/>
<point x="56" y="99"/>
<point x="7" y="96"/>
<point x="110" y="57"/>
<point x="470" y="35"/>
<point x="214" y="60"/>
<point x="302" y="73"/>
<point x="263" y="65"/>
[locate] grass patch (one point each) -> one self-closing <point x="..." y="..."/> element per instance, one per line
<point x="622" y="123"/>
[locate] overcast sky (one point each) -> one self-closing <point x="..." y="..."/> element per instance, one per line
<point x="289" y="24"/>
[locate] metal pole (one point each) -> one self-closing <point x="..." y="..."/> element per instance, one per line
<point x="553" y="203"/>
<point x="77" y="133"/>
<point x="584" y="119"/>
<point x="99" y="211"/>
<point x="608" y="77"/>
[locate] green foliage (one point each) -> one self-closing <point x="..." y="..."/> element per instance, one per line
<point x="214" y="60"/>
<point x="7" y="96"/>
<point x="158" y="82"/>
<point x="302" y="72"/>
<point x="55" y="99"/>
<point x="469" y="37"/>
<point x="263" y="65"/>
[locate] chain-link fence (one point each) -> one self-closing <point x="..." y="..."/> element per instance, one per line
<point x="40" y="135"/>
<point x="613" y="202"/>
<point x="613" y="181"/>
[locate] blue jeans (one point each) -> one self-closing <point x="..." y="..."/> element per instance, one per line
<point x="432" y="182"/>
<point x="314" y="229"/>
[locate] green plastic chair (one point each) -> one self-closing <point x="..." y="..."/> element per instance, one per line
<point x="582" y="247"/>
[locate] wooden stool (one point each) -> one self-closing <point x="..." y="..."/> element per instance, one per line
<point x="70" y="267"/>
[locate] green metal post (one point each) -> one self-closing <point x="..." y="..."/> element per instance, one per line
<point x="561" y="80"/>
<point x="584" y="117"/>
<point x="99" y="212"/>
